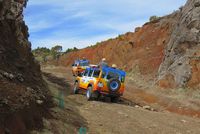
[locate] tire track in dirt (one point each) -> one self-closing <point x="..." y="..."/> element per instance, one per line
<point x="129" y="115"/>
<point x="136" y="98"/>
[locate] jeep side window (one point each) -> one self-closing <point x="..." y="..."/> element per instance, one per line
<point x="81" y="64"/>
<point x="84" y="64"/>
<point x="86" y="72"/>
<point x="103" y="74"/>
<point x="96" y="73"/>
<point x="90" y="73"/>
<point x="112" y="75"/>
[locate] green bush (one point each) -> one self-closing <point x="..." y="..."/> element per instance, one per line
<point x="41" y="53"/>
<point x="153" y="18"/>
<point x="71" y="50"/>
<point x="121" y="37"/>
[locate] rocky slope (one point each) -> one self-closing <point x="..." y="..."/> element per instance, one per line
<point x="182" y="61"/>
<point x="166" y="49"/>
<point x="22" y="88"/>
<point x="140" y="49"/>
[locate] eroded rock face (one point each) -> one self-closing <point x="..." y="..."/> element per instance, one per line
<point x="18" y="73"/>
<point x="15" y="49"/>
<point x="183" y="47"/>
<point x="12" y="9"/>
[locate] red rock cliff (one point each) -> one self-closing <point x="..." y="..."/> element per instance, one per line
<point x="143" y="48"/>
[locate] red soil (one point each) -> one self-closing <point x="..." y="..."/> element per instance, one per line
<point x="195" y="63"/>
<point x="144" y="98"/>
<point x="142" y="48"/>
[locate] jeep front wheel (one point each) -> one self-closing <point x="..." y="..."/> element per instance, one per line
<point x="89" y="93"/>
<point x="76" y="88"/>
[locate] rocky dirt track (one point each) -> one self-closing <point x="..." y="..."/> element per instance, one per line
<point x="105" y="117"/>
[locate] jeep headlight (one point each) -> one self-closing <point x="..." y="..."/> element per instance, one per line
<point x="100" y="84"/>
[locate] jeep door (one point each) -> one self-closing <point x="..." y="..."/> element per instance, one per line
<point x="83" y="79"/>
<point x="88" y="78"/>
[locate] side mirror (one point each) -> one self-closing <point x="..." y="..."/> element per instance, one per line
<point x="80" y="74"/>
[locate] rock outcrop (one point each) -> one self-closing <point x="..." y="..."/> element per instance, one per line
<point x="21" y="83"/>
<point x="182" y="53"/>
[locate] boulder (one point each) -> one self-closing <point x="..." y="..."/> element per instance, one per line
<point x="182" y="46"/>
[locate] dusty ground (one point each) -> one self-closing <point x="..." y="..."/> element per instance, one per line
<point x="64" y="116"/>
<point x="178" y="100"/>
<point x="104" y="117"/>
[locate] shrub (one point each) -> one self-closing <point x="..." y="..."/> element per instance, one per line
<point x="121" y="37"/>
<point x="71" y="50"/>
<point x="153" y="18"/>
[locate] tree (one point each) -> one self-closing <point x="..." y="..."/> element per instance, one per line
<point x="71" y="50"/>
<point x="41" y="53"/>
<point x="75" y="48"/>
<point x="56" y="51"/>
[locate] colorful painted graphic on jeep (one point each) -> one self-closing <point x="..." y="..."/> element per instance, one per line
<point x="104" y="81"/>
<point x="79" y="66"/>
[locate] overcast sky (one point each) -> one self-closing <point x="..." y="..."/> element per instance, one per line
<point x="79" y="23"/>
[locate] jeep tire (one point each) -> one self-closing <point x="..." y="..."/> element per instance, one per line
<point x="76" y="88"/>
<point x="114" y="85"/>
<point x="89" y="93"/>
<point x="114" y="99"/>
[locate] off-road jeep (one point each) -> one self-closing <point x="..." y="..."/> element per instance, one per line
<point x="98" y="82"/>
<point x="79" y="66"/>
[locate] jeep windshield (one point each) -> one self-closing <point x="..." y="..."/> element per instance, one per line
<point x="84" y="64"/>
<point x="91" y="72"/>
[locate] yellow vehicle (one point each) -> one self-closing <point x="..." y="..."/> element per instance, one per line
<point x="79" y="66"/>
<point x="106" y="81"/>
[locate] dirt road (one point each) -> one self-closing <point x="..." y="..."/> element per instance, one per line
<point x="77" y="114"/>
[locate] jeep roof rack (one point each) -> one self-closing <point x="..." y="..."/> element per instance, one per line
<point x="121" y="72"/>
